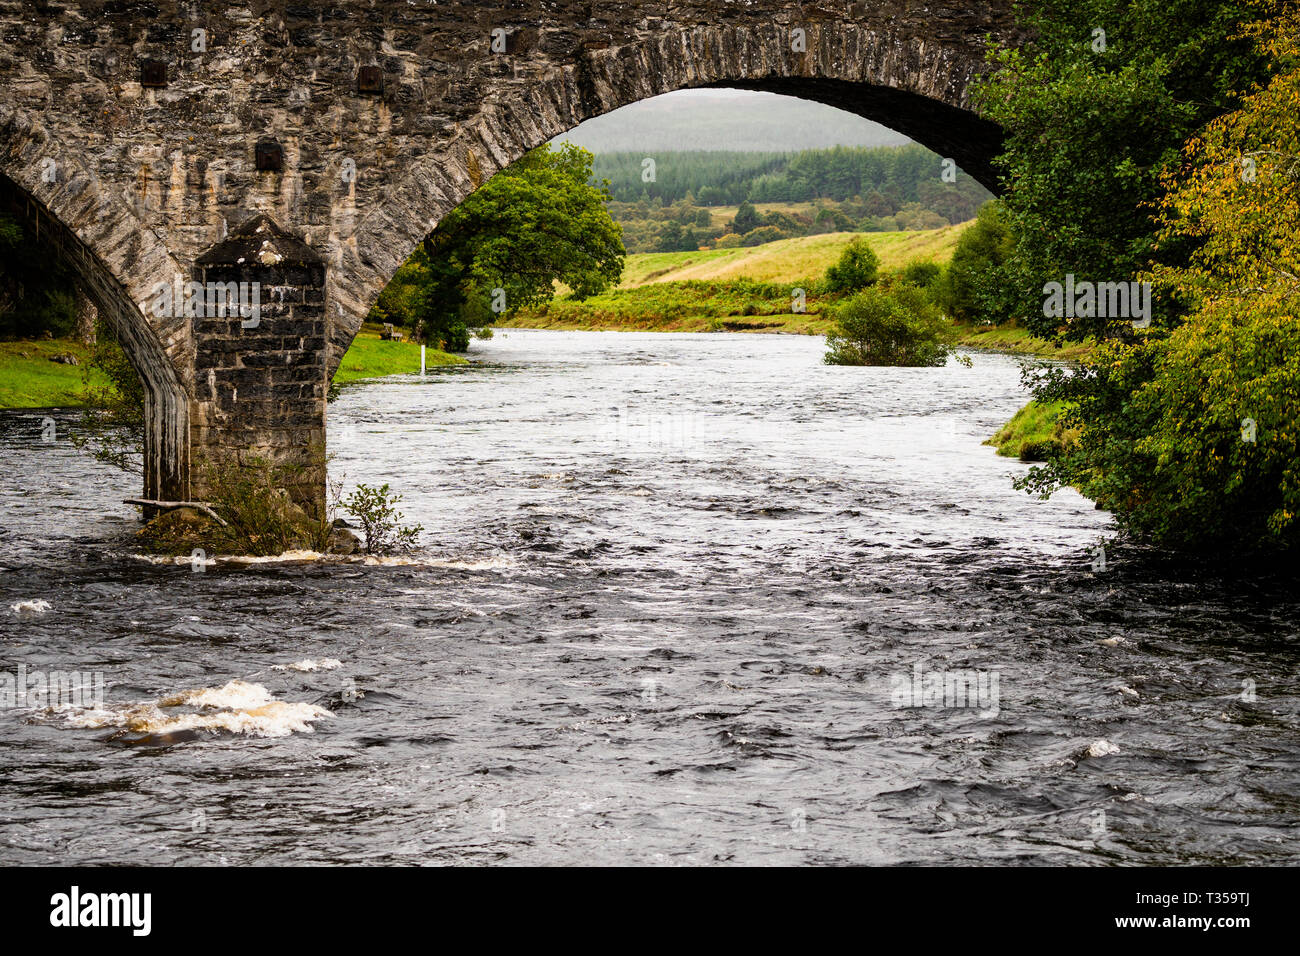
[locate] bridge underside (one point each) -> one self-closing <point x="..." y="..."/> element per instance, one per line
<point x="950" y="131"/>
<point x="166" y="404"/>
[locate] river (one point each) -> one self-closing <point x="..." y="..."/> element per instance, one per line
<point x="680" y="599"/>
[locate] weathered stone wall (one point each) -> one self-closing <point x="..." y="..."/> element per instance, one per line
<point x="260" y="362"/>
<point x="149" y="113"/>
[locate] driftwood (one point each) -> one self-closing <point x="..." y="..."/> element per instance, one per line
<point x="173" y="505"/>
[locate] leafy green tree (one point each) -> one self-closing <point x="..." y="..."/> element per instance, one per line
<point x="761" y="235"/>
<point x="1189" y="434"/>
<point x="922" y="274"/>
<point x="978" y="285"/>
<point x="537" y="222"/>
<point x="36" y="294"/>
<point x="856" y="269"/>
<point x="895" y="326"/>
<point x="747" y="219"/>
<point x="1093" y="121"/>
<point x="673" y="238"/>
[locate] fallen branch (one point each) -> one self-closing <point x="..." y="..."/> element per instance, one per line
<point x="172" y="505"/>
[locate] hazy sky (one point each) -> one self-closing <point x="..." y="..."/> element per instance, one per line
<point x="721" y="119"/>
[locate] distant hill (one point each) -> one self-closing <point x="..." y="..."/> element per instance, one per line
<point x="788" y="260"/>
<point x="735" y="120"/>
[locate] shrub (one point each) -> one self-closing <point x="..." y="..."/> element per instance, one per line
<point x="761" y="235"/>
<point x="856" y="268"/>
<point x="261" y="518"/>
<point x="922" y="274"/>
<point x="376" y="510"/>
<point x="887" y="327"/>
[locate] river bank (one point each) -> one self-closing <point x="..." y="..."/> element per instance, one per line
<point x="709" y="307"/>
<point x="32" y="376"/>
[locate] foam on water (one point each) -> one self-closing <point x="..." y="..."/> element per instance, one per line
<point x="238" y="707"/>
<point x="26" y="610"/>
<point x="306" y="666"/>
<point x="370" y="560"/>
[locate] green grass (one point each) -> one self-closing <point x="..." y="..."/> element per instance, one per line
<point x="1032" y="433"/>
<point x="28" y="379"/>
<point x="730" y="289"/>
<point x="1010" y="338"/>
<point x="371" y="357"/>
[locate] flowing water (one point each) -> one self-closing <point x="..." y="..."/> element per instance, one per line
<point x="680" y="599"/>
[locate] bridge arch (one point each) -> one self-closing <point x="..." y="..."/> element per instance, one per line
<point x="46" y="190"/>
<point x="914" y="84"/>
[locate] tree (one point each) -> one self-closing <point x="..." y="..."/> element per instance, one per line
<point x="922" y="273"/>
<point x="37" y="294"/>
<point x="1093" y="121"/>
<point x="1189" y="434"/>
<point x="896" y="326"/>
<point x="977" y="286"/>
<point x="856" y="268"/>
<point x="763" y="234"/>
<point x="537" y="222"/>
<point x="747" y="219"/>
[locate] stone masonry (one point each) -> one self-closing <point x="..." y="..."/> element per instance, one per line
<point x="158" y="142"/>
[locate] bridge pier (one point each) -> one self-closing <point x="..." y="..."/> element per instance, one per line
<point x="260" y="362"/>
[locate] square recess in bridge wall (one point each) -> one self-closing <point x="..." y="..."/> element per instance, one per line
<point x="370" y="79"/>
<point x="269" y="156"/>
<point x="153" y="74"/>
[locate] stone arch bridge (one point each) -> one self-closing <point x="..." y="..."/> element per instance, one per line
<point x="310" y="148"/>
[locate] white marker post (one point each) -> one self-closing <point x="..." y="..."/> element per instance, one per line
<point x="421" y="359"/>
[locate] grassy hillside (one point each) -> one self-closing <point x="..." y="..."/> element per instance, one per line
<point x="789" y="260"/>
<point x="734" y="290"/>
